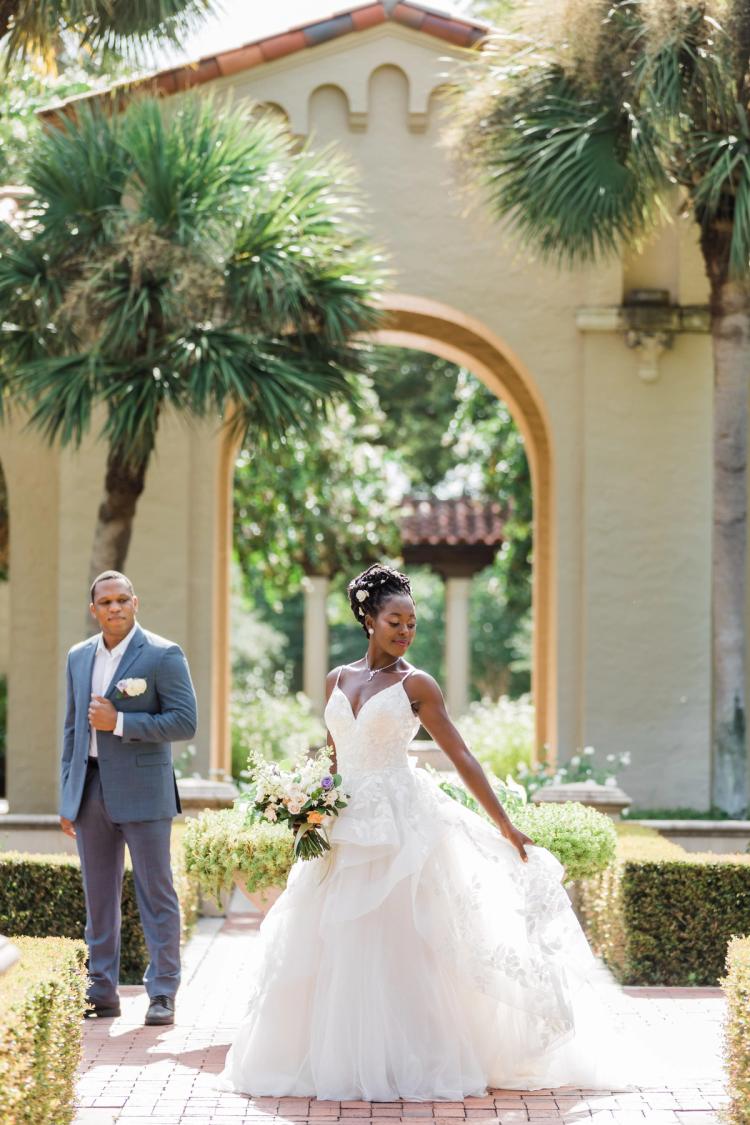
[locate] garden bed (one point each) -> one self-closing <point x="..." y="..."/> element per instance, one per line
<point x="42" y="1000"/>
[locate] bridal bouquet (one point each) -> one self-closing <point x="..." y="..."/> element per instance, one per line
<point x="304" y="797"/>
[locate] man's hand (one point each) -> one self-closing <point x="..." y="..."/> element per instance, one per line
<point x="102" y="713"/>
<point x="68" y="827"/>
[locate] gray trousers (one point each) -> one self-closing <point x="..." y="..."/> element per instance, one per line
<point x="101" y="847"/>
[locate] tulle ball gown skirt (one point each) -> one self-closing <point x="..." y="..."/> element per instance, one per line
<point x="422" y="960"/>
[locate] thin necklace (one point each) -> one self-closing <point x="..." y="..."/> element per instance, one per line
<point x="385" y="667"/>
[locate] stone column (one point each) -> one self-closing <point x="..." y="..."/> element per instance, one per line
<point x="315" y="664"/>
<point x="457" y="652"/>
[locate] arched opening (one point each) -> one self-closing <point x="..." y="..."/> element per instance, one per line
<point x="427" y="326"/>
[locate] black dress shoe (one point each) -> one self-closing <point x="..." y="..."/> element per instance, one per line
<point x="101" y="1011"/>
<point x="160" y="1011"/>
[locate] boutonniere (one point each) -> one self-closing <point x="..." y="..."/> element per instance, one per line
<point x="129" y="689"/>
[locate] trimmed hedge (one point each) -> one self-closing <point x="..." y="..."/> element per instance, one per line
<point x="736" y="984"/>
<point x="42" y="896"/>
<point x="664" y="916"/>
<point x="42" y="999"/>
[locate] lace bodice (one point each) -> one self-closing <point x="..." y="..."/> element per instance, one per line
<point x="378" y="736"/>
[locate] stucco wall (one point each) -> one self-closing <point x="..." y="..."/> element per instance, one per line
<point x="631" y="460"/>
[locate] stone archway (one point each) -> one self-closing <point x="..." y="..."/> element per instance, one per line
<point x="425" y="325"/>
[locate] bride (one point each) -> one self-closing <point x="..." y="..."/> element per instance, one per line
<point x="430" y="955"/>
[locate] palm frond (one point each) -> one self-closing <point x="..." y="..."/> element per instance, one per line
<point x="719" y="164"/>
<point x="77" y="170"/>
<point x="264" y="387"/>
<point x="300" y="259"/>
<point x="192" y="170"/>
<point x="122" y="26"/>
<point x="685" y="69"/>
<point x="574" y="176"/>
<point x="61" y="392"/>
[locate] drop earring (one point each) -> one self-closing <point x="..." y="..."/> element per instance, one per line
<point x="370" y="631"/>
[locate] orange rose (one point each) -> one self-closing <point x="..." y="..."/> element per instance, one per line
<point x="315" y="818"/>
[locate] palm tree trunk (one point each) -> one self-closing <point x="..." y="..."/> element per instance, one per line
<point x="123" y="485"/>
<point x="730" y="326"/>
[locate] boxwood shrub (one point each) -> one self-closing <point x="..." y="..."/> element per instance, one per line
<point x="737" y="1029"/>
<point x="42" y="896"/>
<point x="42" y="999"/>
<point x="663" y="916"/>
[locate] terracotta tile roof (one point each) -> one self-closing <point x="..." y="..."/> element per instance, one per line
<point x="461" y="522"/>
<point x="408" y="13"/>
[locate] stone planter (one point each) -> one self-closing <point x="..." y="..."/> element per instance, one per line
<point x="199" y="793"/>
<point x="609" y="799"/>
<point x="262" y="899"/>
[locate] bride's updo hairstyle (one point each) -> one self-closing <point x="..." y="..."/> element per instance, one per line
<point x="372" y="587"/>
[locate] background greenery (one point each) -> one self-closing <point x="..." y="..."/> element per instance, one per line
<point x="330" y="505"/>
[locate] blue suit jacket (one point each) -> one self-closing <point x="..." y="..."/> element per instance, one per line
<point x="136" y="771"/>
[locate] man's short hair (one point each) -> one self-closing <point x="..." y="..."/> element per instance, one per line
<point x="105" y="576"/>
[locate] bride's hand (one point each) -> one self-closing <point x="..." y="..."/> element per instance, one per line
<point x="519" y="840"/>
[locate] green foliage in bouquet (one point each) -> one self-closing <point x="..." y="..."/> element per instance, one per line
<point x="219" y="845"/>
<point x="303" y="797"/>
<point x="584" y="840"/>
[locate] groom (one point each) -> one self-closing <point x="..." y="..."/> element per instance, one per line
<point x="129" y="696"/>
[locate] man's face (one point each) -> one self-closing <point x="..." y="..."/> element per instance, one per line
<point x="114" y="608"/>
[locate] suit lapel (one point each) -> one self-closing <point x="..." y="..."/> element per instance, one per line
<point x="131" y="654"/>
<point x="87" y="671"/>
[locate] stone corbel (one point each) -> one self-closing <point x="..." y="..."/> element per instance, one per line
<point x="649" y="348"/>
<point x="648" y="329"/>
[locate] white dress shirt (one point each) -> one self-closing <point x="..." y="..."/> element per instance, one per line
<point x="106" y="663"/>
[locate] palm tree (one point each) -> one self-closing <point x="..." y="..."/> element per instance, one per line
<point x="583" y="128"/>
<point x="35" y="26"/>
<point x="190" y="262"/>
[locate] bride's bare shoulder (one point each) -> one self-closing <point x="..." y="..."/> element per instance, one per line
<point x="422" y="685"/>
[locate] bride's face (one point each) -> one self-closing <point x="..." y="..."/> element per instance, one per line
<point x="395" y="624"/>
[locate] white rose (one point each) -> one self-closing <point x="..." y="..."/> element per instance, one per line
<point x="270" y="813"/>
<point x="361" y="596"/>
<point x="294" y="807"/>
<point x="132" y="687"/>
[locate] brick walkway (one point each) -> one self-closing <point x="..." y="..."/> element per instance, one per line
<point x="154" y="1076"/>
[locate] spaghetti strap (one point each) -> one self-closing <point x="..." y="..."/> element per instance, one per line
<point x="406" y="677"/>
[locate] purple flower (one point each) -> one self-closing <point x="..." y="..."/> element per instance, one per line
<point x="327" y="782"/>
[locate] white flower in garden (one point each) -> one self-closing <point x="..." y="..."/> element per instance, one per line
<point x="610" y="757"/>
<point x="611" y="782"/>
<point x="589" y="750"/>
<point x="575" y="760"/>
<point x="625" y="758"/>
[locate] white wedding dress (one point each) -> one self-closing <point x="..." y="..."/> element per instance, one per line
<point x="421" y="959"/>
